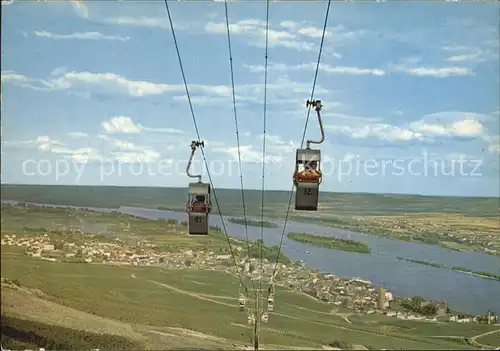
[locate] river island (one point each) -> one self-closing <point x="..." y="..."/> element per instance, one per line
<point x="331" y="243"/>
<point x="252" y="223"/>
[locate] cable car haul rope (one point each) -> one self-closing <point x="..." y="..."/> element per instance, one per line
<point x="307" y="178"/>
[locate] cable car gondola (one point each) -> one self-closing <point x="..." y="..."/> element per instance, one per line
<point x="242" y="303"/>
<point x="199" y="202"/>
<point x="270" y="303"/>
<point x="307" y="176"/>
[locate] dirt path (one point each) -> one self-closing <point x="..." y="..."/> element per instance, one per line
<point x="191" y="294"/>
<point x="344" y="316"/>
<point x="282" y="332"/>
<point x="484" y="334"/>
<point x="331" y="325"/>
<point x="474" y="339"/>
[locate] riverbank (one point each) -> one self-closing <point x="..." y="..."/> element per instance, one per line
<point x="402" y="281"/>
<point x="414" y="230"/>
<point x="485" y="275"/>
<point x="331" y="243"/>
<point x="452" y="231"/>
<point x="464" y="223"/>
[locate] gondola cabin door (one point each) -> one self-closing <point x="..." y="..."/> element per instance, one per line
<point x="198" y="208"/>
<point x="307" y="178"/>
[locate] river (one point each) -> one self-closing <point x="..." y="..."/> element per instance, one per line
<point x="461" y="291"/>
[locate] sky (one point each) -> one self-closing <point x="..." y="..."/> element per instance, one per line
<point x="92" y="94"/>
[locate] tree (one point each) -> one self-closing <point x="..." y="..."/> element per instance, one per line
<point x="430" y="309"/>
<point x="416" y="303"/>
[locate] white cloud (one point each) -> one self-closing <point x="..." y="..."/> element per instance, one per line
<point x="45" y="143"/>
<point x="79" y="36"/>
<point x="380" y="131"/>
<point x="121" y="124"/>
<point x="22" y="81"/>
<point x="416" y="130"/>
<point x="8" y="143"/>
<point x="148" y="22"/>
<point x="78" y="155"/>
<point x="276" y="143"/>
<point x="353" y="70"/>
<point x="143" y="156"/>
<point x="480" y="52"/>
<point x="447" y="117"/>
<point x="78" y="135"/>
<point x="441" y="72"/>
<point x="125" y="151"/>
<point x="165" y="130"/>
<point x="464" y="128"/>
<point x="493" y="143"/>
<point x="248" y="154"/>
<point x="124" y="124"/>
<point x="85" y="155"/>
<point x="336" y="33"/>
<point x="103" y="147"/>
<point x="113" y="150"/>
<point x="465" y="57"/>
<point x="288" y="34"/>
<point x="494" y="148"/>
<point x="255" y="30"/>
<point x="59" y="71"/>
<point x="126" y="145"/>
<point x="279" y="67"/>
<point x="110" y="83"/>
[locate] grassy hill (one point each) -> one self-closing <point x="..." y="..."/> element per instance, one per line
<point x="77" y="305"/>
<point x="90" y="297"/>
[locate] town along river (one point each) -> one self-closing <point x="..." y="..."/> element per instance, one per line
<point x="462" y="292"/>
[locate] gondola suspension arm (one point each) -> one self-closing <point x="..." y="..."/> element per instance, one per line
<point x="317" y="106"/>
<point x="194" y="145"/>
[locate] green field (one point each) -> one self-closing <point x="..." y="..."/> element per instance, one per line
<point x="111" y="292"/>
<point x="331" y="243"/>
<point x="159" y="308"/>
<point x="459" y="223"/>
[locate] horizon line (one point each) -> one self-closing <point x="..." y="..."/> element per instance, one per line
<point x="250" y="189"/>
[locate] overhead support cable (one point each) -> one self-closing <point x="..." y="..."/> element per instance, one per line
<point x="237" y="132"/>
<point x="258" y="295"/>
<point x="202" y="148"/>
<point x="303" y="134"/>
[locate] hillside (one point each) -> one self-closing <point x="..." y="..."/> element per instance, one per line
<point x="459" y="223"/>
<point x="230" y="200"/>
<point x="172" y="304"/>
